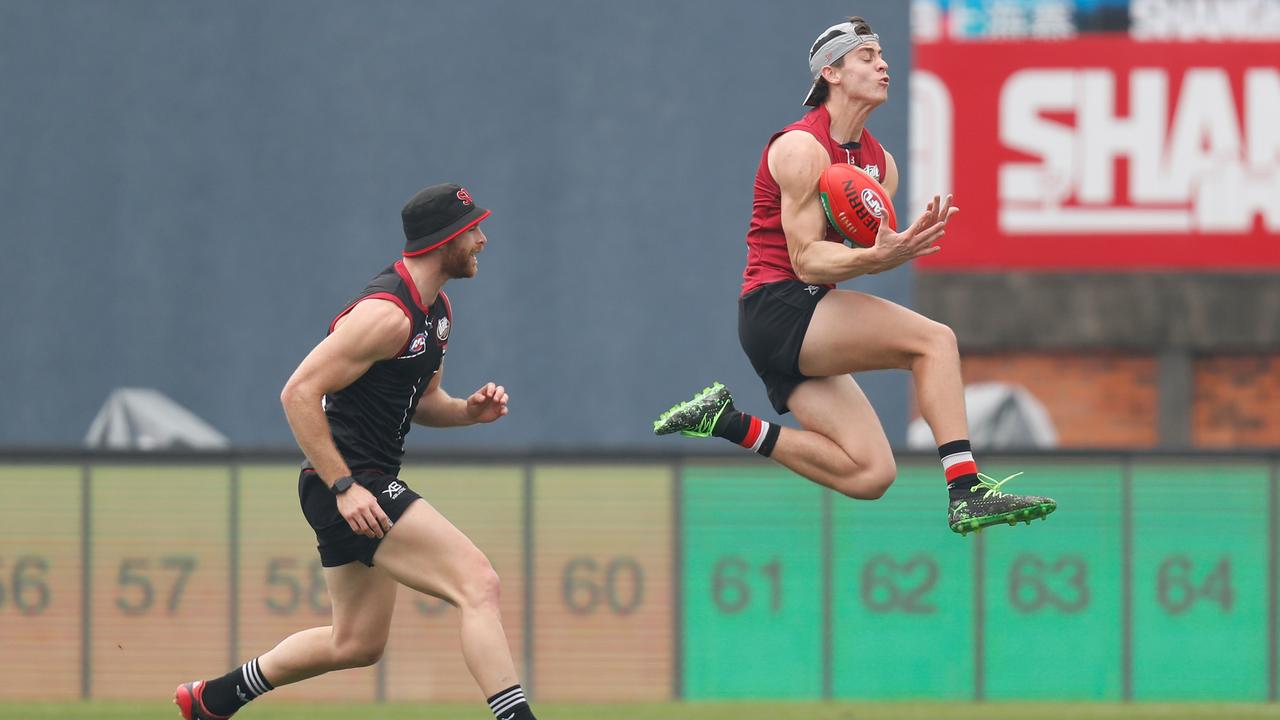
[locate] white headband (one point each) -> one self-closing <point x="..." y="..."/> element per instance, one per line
<point x="837" y="47"/>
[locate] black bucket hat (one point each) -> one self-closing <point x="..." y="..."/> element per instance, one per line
<point x="436" y="215"/>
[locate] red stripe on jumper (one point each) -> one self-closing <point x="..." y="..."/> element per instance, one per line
<point x="961" y="469"/>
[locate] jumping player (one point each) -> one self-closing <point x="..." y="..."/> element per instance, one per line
<point x="804" y="337"/>
<point x="350" y="403"/>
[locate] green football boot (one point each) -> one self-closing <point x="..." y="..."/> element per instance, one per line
<point x="985" y="504"/>
<point x="696" y="417"/>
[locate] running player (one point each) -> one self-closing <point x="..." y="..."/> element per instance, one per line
<point x="804" y="337"/>
<point x="350" y="403"/>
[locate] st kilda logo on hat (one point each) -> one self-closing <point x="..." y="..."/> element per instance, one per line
<point x="436" y="215"/>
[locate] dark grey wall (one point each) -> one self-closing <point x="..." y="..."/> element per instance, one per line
<point x="1145" y="312"/>
<point x="191" y="190"/>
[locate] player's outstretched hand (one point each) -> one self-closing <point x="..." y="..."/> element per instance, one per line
<point x="488" y="403"/>
<point x="894" y="248"/>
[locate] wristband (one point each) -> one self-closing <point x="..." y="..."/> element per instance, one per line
<point x="342" y="484"/>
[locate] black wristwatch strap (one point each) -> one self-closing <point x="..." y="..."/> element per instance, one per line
<point x="342" y="484"/>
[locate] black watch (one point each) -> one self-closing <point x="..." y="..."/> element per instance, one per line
<point x="342" y="484"/>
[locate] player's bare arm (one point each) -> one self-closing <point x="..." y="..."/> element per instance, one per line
<point x="796" y="161"/>
<point x="439" y="409"/>
<point x="374" y="330"/>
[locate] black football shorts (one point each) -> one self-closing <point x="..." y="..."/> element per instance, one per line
<point x="772" y="321"/>
<point x="337" y="542"/>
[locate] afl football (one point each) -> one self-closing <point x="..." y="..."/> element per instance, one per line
<point x="855" y="203"/>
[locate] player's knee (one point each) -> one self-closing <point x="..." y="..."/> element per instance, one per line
<point x="934" y="341"/>
<point x="360" y="654"/>
<point x="942" y="340"/>
<point x="870" y="481"/>
<point x="878" y="482"/>
<point x="482" y="587"/>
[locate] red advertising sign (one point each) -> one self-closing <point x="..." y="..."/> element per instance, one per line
<point x="1101" y="153"/>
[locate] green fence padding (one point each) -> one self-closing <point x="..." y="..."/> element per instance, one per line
<point x="1053" y="607"/>
<point x="903" y="594"/>
<point x="1200" y="593"/>
<point x="752" y="584"/>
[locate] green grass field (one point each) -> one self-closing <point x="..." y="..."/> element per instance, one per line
<point x="663" y="711"/>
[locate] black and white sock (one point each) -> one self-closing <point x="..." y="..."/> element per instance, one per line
<point x="510" y="704"/>
<point x="227" y="694"/>
<point x="959" y="467"/>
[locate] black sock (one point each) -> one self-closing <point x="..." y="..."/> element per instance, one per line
<point x="510" y="704"/>
<point x="748" y="431"/>
<point x="232" y="691"/>
<point x="959" y="467"/>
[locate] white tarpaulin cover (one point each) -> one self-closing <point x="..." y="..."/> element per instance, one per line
<point x="146" y="419"/>
<point x="1001" y="416"/>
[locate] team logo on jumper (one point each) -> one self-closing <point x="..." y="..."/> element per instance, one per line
<point x="394" y="489"/>
<point x="442" y="329"/>
<point x="872" y="202"/>
<point x="417" y="345"/>
<point x="464" y="196"/>
<point x="873" y="171"/>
